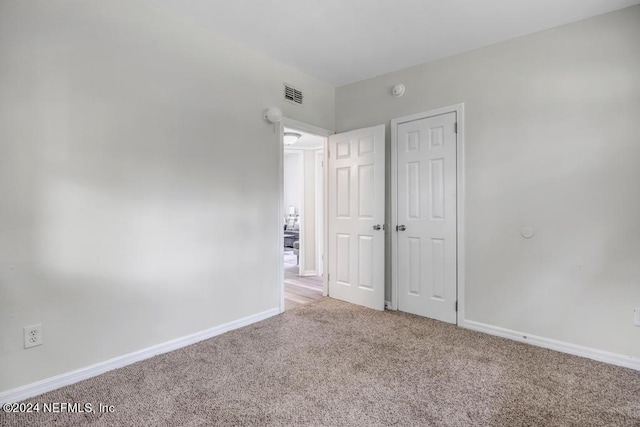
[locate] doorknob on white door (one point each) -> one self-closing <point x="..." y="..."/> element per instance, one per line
<point x="377" y="227"/>
<point x="401" y="227"/>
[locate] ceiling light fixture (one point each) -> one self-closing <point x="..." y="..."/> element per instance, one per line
<point x="291" y="138"/>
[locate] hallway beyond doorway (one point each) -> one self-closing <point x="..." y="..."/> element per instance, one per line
<point x="298" y="290"/>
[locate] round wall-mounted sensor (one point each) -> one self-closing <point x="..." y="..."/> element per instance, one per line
<point x="398" y="90"/>
<point x="527" y="232"/>
<point x="273" y="114"/>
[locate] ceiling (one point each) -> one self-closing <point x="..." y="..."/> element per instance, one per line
<point x="343" y="41"/>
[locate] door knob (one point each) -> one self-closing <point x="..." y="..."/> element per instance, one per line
<point x="401" y="227"/>
<point x="377" y="227"/>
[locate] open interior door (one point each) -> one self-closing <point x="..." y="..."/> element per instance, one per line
<point x="357" y="217"/>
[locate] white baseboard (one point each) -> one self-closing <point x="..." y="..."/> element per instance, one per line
<point x="49" y="384"/>
<point x="564" y="347"/>
<point x="309" y="273"/>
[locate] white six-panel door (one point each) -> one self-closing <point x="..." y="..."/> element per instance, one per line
<point x="426" y="216"/>
<point x="356" y="216"/>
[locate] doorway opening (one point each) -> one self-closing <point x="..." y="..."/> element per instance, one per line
<point x="302" y="205"/>
<point x="351" y="215"/>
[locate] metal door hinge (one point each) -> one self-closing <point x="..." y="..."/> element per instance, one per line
<point x="455" y="127"/>
<point x="456" y="305"/>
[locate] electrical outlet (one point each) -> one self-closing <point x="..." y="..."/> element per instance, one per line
<point x="636" y="316"/>
<point x="32" y="335"/>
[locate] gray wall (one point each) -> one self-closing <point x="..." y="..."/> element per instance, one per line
<point x="552" y="141"/>
<point x="138" y="180"/>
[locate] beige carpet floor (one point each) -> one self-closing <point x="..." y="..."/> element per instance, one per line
<point x="331" y="363"/>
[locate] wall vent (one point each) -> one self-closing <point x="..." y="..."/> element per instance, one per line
<point x="292" y="94"/>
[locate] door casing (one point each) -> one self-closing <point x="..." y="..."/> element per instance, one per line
<point x="460" y="186"/>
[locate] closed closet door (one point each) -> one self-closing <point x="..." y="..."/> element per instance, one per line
<point x="426" y="212"/>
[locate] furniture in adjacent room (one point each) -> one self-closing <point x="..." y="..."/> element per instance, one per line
<point x="296" y="251"/>
<point x="290" y="237"/>
<point x="291" y="230"/>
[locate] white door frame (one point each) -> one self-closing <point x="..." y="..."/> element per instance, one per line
<point x="460" y="186"/>
<point x="305" y="127"/>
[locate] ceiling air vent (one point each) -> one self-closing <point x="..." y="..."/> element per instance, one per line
<point x="292" y="94"/>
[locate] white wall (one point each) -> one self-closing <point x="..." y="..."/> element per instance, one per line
<point x="552" y="141"/>
<point x="320" y="207"/>
<point x="309" y="220"/>
<point x="292" y="184"/>
<point x="300" y="192"/>
<point x="138" y="180"/>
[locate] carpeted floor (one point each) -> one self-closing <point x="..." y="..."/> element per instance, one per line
<point x="332" y="363"/>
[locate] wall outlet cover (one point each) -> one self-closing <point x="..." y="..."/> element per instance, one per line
<point x="32" y="335"/>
